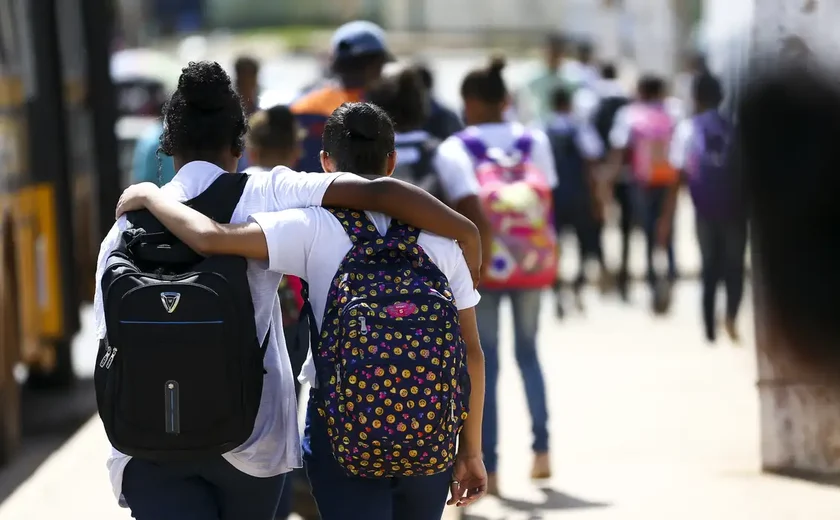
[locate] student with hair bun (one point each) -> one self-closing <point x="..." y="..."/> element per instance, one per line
<point x="394" y="416"/>
<point x="514" y="171"/>
<point x="204" y="131"/>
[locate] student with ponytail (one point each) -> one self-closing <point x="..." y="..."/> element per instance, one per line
<point x="514" y="169"/>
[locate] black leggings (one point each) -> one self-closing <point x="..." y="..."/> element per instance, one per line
<point x="722" y="248"/>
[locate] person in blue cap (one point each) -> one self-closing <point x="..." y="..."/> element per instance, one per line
<point x="358" y="54"/>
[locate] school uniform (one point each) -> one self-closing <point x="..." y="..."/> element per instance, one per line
<point x="648" y="201"/>
<point x="311" y="244"/>
<point x="456" y="162"/>
<point x="575" y="143"/>
<point x="246" y="482"/>
<point x="721" y="225"/>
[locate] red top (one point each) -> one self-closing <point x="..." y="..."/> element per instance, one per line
<point x="296" y="286"/>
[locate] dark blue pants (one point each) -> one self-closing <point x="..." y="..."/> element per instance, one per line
<point x="342" y="497"/>
<point x="651" y="204"/>
<point x="576" y="214"/>
<point x="211" y="490"/>
<point x="723" y="246"/>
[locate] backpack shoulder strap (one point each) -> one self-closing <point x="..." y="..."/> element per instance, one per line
<point x="524" y="144"/>
<point x="473" y="143"/>
<point x="403" y="232"/>
<point x="219" y="200"/>
<point x="356" y="224"/>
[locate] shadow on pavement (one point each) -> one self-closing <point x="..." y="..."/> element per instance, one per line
<point x="49" y="419"/>
<point x="554" y="501"/>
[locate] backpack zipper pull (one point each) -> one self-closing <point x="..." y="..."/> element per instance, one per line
<point x="337" y="374"/>
<point x="452" y="409"/>
<point x="363" y="325"/>
<point x="105" y="357"/>
<point x="111" y="358"/>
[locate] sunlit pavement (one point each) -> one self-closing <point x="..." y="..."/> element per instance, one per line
<point x="647" y="421"/>
<point x="645" y="418"/>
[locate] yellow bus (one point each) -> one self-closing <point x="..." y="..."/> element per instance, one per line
<point x="58" y="182"/>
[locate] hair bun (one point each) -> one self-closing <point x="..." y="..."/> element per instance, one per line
<point x="205" y="86"/>
<point x="361" y="122"/>
<point x="497" y="64"/>
<point x="409" y="80"/>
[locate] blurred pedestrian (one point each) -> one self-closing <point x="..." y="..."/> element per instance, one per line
<point x="581" y="71"/>
<point x="519" y="269"/>
<point x="150" y="164"/>
<point x="612" y="98"/>
<point x="421" y="160"/>
<point x="644" y="130"/>
<point x="701" y="150"/>
<point x="247" y="73"/>
<point x="441" y="122"/>
<point x="533" y="101"/>
<point x="358" y="54"/>
<point x="577" y="149"/>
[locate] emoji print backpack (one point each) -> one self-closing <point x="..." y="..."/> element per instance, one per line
<point x="518" y="202"/>
<point x="390" y="361"/>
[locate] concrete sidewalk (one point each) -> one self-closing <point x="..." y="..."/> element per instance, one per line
<point x="648" y="422"/>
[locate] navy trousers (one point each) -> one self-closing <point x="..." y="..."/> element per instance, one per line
<point x="342" y="497"/>
<point x="207" y="490"/>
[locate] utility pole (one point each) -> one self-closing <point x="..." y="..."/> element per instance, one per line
<point x="800" y="411"/>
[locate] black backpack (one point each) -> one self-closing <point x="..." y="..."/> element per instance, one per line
<point x="605" y="116"/>
<point x="419" y="170"/>
<point x="180" y="374"/>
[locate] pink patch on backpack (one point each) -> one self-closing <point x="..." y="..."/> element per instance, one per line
<point x="401" y="309"/>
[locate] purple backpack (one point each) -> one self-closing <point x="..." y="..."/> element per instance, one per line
<point x="711" y="181"/>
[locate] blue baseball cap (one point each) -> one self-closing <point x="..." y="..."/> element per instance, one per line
<point x="359" y="38"/>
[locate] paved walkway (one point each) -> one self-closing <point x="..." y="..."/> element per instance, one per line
<point x="648" y="422"/>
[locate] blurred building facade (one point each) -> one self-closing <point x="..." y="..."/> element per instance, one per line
<point x="654" y="33"/>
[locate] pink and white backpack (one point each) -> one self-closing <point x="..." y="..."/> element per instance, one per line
<point x="517" y="199"/>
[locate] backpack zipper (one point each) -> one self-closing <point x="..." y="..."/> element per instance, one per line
<point x="337" y="374"/>
<point x="111" y="359"/>
<point x="452" y="409"/>
<point x="105" y="357"/>
<point x="363" y="325"/>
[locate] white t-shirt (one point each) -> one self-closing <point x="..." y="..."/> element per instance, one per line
<point x="680" y="142"/>
<point x="456" y="166"/>
<point x="587" y="140"/>
<point x="274" y="445"/>
<point x="311" y="243"/>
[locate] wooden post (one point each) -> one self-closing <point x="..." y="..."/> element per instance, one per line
<point x="800" y="412"/>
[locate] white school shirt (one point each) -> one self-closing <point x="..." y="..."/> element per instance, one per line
<point x="311" y="243"/>
<point x="457" y="165"/>
<point x="587" y="140"/>
<point x="274" y="445"/>
<point x="680" y="143"/>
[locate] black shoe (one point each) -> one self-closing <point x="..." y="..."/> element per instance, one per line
<point x="559" y="310"/>
<point x="622" y="283"/>
<point x="711" y="336"/>
<point x="579" y="299"/>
